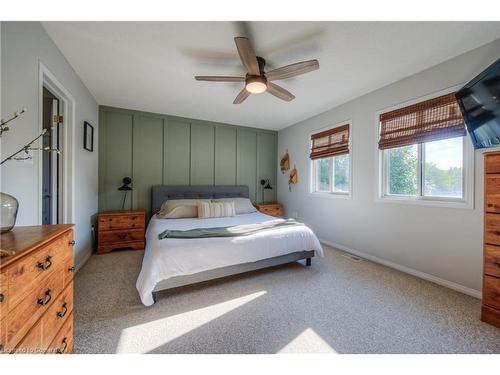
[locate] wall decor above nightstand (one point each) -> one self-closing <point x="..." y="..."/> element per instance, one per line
<point x="120" y="230"/>
<point x="272" y="209"/>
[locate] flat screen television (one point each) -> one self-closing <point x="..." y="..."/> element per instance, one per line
<point x="479" y="102"/>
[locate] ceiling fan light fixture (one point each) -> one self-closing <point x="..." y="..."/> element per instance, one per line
<point x="257" y="80"/>
<point x="256" y="84"/>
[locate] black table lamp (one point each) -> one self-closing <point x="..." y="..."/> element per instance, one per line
<point x="126" y="188"/>
<point x="266" y="185"/>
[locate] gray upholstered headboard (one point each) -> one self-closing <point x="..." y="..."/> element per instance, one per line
<point x="161" y="193"/>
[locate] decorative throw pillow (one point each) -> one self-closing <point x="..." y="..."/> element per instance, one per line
<point x="241" y="205"/>
<point x="208" y="210"/>
<point x="179" y="208"/>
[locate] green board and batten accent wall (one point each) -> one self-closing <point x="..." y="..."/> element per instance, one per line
<point x="157" y="149"/>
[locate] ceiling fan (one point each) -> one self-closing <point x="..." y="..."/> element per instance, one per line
<point x="256" y="79"/>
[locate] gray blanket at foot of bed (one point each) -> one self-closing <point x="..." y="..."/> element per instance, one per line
<point x="234" y="231"/>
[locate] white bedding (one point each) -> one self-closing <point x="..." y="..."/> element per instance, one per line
<point x="170" y="257"/>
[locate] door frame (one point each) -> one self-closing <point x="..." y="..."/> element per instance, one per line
<point x="67" y="108"/>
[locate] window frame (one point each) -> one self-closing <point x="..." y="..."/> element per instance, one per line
<point x="466" y="202"/>
<point x="312" y="166"/>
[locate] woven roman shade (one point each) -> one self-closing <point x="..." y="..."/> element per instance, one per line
<point x="330" y="142"/>
<point x="430" y="120"/>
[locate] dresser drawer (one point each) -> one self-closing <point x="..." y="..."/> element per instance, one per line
<point x="492" y="163"/>
<point x="492" y="260"/>
<point x="32" y="342"/>
<point x="56" y="315"/>
<point x="492" y="193"/>
<point x="63" y="341"/>
<point x="492" y="229"/>
<point x="3" y="335"/>
<point x="490" y="315"/>
<point x="30" y="271"/>
<point x="39" y="338"/>
<point x="109" y="222"/>
<point x="4" y="295"/>
<point x="68" y="269"/>
<point x="491" y="291"/>
<point x="21" y="318"/>
<point x="121" y="235"/>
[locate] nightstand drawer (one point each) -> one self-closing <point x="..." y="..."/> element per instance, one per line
<point x="109" y="222"/>
<point x="273" y="209"/>
<point x="121" y="235"/>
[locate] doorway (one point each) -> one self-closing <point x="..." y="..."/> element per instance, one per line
<point x="51" y="161"/>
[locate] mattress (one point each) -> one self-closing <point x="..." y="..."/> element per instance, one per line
<point x="167" y="258"/>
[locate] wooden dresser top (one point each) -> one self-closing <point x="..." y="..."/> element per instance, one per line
<point x="22" y="240"/>
<point x="122" y="212"/>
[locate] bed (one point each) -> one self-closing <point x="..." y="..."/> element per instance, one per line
<point x="171" y="263"/>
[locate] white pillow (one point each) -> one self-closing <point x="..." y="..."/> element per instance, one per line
<point x="179" y="208"/>
<point x="215" y="209"/>
<point x="241" y="205"/>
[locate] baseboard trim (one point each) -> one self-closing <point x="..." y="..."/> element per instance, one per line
<point x="81" y="263"/>
<point x="437" y="280"/>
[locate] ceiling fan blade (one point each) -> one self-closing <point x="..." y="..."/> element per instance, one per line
<point x="219" y="78"/>
<point x="247" y="55"/>
<point x="241" y="96"/>
<point x="292" y="70"/>
<point x="279" y="92"/>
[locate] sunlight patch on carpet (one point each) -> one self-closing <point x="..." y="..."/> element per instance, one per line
<point x="307" y="341"/>
<point x="145" y="337"/>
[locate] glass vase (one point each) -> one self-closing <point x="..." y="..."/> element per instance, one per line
<point x="8" y="212"/>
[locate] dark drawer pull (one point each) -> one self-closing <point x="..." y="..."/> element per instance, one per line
<point x="45" y="265"/>
<point x="122" y="236"/>
<point x="65" y="342"/>
<point x="61" y="314"/>
<point x="71" y="269"/>
<point x="1" y="297"/>
<point x="72" y="243"/>
<point x="46" y="300"/>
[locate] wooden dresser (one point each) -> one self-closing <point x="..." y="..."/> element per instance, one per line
<point x="273" y="209"/>
<point x="36" y="290"/>
<point x="490" y="310"/>
<point x="121" y="230"/>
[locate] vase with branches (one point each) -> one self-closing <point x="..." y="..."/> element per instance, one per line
<point x="9" y="204"/>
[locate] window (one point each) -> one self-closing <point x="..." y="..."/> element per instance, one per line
<point x="433" y="169"/>
<point x="425" y="153"/>
<point x="331" y="161"/>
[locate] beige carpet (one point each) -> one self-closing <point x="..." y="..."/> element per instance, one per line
<point x="336" y="305"/>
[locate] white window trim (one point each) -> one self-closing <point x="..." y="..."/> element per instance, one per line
<point x="467" y="202"/>
<point x="335" y="194"/>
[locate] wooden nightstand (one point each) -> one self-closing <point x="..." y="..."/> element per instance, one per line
<point x="273" y="209"/>
<point x="120" y="230"/>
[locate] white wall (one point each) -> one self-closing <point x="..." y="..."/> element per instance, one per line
<point x="443" y="242"/>
<point x="24" y="45"/>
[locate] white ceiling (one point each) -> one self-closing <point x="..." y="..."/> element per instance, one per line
<point x="150" y="66"/>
